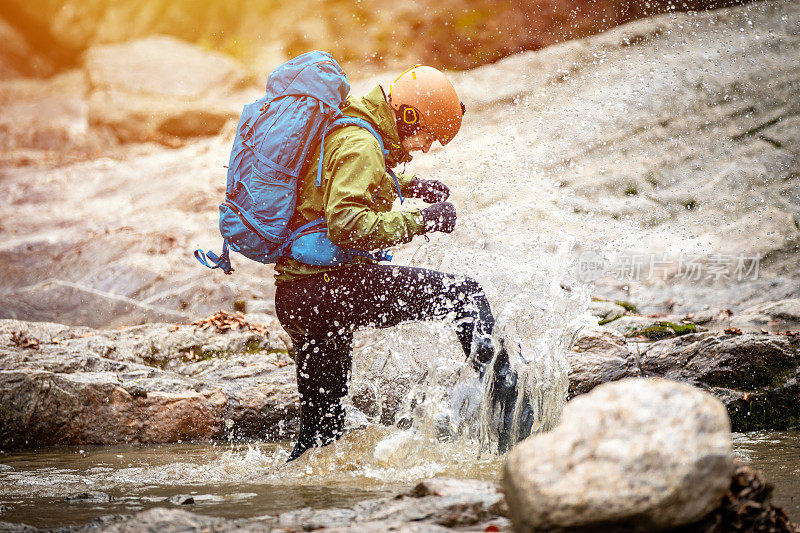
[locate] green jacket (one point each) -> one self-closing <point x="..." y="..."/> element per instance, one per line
<point x="356" y="194"/>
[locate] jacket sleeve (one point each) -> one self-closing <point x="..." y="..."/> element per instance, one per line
<point x="355" y="170"/>
<point x="404" y="180"/>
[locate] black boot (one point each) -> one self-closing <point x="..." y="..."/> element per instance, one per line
<point x="318" y="427"/>
<point x="503" y="397"/>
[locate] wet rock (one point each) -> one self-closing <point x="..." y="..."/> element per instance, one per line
<point x="634" y="455"/>
<point x="775" y="316"/>
<point x="746" y="507"/>
<point x="182" y="499"/>
<point x="143" y="385"/>
<point x="43" y="408"/>
<point x="71" y="303"/>
<point x="159" y="88"/>
<point x="17" y="528"/>
<point x="756" y="376"/>
<point x="88" y="497"/>
<point x="447" y="503"/>
<point x="160" y="520"/>
<point x="744" y="362"/>
<point x="599" y="355"/>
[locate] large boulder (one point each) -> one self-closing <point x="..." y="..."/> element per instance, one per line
<point x="149" y="384"/>
<point x="736" y="361"/>
<point x="636" y="455"/>
<point x="160" y="88"/>
<point x="756" y="376"/>
<point x="47" y="121"/>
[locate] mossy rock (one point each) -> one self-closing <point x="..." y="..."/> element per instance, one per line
<point x="662" y="330"/>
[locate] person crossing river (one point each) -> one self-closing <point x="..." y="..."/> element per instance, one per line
<point x="321" y="306"/>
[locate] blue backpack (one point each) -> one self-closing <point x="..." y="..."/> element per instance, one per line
<point x="274" y="140"/>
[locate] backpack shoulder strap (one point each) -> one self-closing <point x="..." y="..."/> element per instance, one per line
<point x="343" y="121"/>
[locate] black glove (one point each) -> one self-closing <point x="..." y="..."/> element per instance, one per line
<point x="431" y="191"/>
<point x="439" y="217"/>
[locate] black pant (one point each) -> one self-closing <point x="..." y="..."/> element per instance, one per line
<point x="321" y="312"/>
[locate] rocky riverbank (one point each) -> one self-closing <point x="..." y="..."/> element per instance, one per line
<point x="755" y="372"/>
<point x="230" y="377"/>
<point x="664" y="463"/>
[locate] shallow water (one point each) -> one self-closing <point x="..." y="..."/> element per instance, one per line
<point x="242" y="481"/>
<point x="236" y="481"/>
<point x="777" y="454"/>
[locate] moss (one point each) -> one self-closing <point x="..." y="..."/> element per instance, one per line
<point x="252" y="346"/>
<point x="608" y="320"/>
<point x="629" y="307"/>
<point x="662" y="330"/>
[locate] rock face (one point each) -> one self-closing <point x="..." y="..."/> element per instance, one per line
<point x="632" y="455"/>
<point x="599" y="355"/>
<point x="126" y="223"/>
<point x="783" y="314"/>
<point x="757" y="376"/>
<point x="160" y="88"/>
<point x="151" y="384"/>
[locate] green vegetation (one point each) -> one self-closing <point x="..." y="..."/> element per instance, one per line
<point x="662" y="330"/>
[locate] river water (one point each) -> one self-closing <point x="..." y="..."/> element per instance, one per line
<point x="242" y="481"/>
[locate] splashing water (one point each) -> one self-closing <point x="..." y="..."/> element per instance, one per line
<point x="509" y="240"/>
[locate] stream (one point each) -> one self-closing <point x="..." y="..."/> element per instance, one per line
<point x="250" y="480"/>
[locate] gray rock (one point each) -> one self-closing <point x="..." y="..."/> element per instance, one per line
<point x="780" y="315"/>
<point x="745" y="362"/>
<point x="143" y="385"/>
<point x="599" y="355"/>
<point x="437" y="503"/>
<point x="88" y="497"/>
<point x="160" y="520"/>
<point x="756" y="376"/>
<point x="70" y="303"/>
<point x="636" y="455"/>
<point x="606" y="311"/>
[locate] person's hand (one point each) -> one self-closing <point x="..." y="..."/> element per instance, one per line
<point x="431" y="191"/>
<point x="439" y="217"/>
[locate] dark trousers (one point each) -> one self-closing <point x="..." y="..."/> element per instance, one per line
<point x="321" y="312"/>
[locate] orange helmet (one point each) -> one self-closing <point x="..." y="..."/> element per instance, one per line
<point x="423" y="95"/>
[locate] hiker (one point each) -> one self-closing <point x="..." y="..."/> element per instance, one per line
<point x="352" y="188"/>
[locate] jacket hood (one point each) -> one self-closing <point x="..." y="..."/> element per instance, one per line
<point x="374" y="108"/>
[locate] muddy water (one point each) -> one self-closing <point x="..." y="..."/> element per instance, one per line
<point x="235" y="481"/>
<point x="777" y="454"/>
<point x="242" y="481"/>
